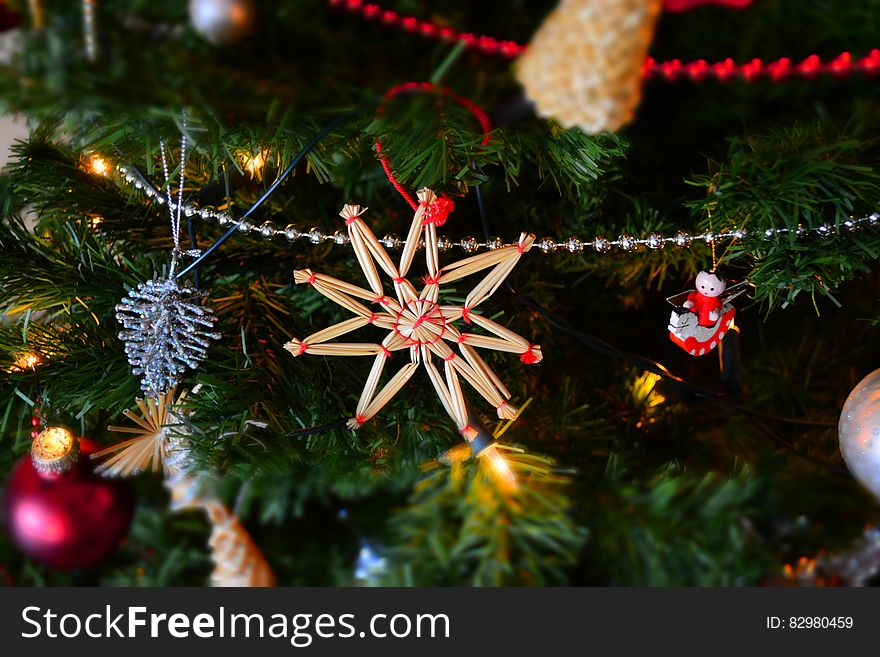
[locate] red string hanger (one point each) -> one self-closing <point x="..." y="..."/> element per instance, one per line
<point x="441" y="208"/>
<point x="725" y="70"/>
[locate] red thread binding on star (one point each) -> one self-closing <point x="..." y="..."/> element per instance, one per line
<point x="360" y="419"/>
<point x="672" y="70"/>
<point x="437" y="212"/>
<point x="381" y="300"/>
<point x="372" y="318"/>
<point x="450" y="357"/>
<point x="312" y="278"/>
<point x="465" y="312"/>
<point x="529" y="357"/>
<point x="302" y="348"/>
<point x="385" y="351"/>
<point x="440" y="209"/>
<point x="431" y="280"/>
<point x="461" y="338"/>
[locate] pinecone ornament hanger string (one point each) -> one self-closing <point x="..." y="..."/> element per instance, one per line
<point x="166" y="327"/>
<point x="175" y="209"/>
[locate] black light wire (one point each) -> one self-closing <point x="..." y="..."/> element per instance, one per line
<point x="297" y="159"/>
<point x="330" y="127"/>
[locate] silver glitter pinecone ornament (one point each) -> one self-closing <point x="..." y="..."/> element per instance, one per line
<point x="166" y="331"/>
<point x="222" y="21"/>
<point x="859" y="431"/>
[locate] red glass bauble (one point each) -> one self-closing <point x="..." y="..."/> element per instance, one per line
<point x="9" y="18"/>
<point x="68" y="520"/>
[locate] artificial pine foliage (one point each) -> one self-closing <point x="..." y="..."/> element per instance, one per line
<point x="641" y="464"/>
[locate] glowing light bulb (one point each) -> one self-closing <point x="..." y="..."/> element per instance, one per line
<point x="254" y="164"/>
<point x="99" y="165"/>
<point x="95" y="220"/>
<point x="54" y="450"/>
<point x="499" y="467"/>
<point x="25" y="362"/>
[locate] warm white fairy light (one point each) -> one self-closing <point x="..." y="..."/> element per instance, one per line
<point x="25" y="361"/>
<point x="98" y="165"/>
<point x="254" y="163"/>
<point x="499" y="467"/>
<point x="54" y="450"/>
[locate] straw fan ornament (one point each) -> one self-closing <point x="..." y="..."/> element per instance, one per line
<point x="416" y="321"/>
<point x="159" y="443"/>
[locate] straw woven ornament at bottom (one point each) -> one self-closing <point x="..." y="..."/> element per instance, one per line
<point x="148" y="449"/>
<point x="237" y="559"/>
<point x="583" y="66"/>
<point x="415" y="321"/>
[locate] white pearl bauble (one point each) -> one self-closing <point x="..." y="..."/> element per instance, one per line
<point x="859" y="431"/>
<point x="222" y="21"/>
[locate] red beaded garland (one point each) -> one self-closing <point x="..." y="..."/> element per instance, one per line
<point x="697" y="71"/>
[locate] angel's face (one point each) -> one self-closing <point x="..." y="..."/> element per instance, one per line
<point x="710" y="285"/>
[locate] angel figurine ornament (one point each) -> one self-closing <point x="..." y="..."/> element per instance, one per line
<point x="703" y="316"/>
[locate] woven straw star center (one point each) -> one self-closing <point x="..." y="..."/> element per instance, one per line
<point x="420" y="322"/>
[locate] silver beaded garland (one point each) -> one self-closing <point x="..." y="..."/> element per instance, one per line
<point x="391" y="242"/>
<point x="601" y="245"/>
<point x="627" y="242"/>
<point x="469" y="245"/>
<point x="574" y="245"/>
<point x="548" y="245"/>
<point x="655" y="241"/>
<point x="268" y="230"/>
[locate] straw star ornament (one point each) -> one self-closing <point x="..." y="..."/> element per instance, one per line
<point x="416" y="321"/>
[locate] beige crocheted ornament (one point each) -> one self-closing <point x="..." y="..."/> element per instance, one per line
<point x="583" y="66"/>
